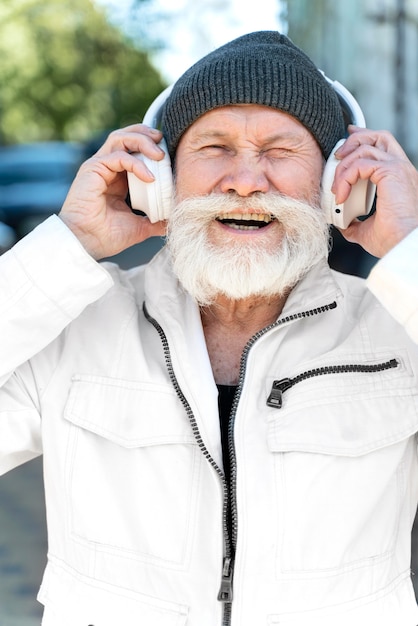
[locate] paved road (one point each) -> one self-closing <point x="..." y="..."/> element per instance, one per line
<point x="22" y="545"/>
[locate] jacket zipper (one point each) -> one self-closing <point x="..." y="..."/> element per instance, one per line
<point x="275" y="399"/>
<point x="229" y="491"/>
<point x="225" y="592"/>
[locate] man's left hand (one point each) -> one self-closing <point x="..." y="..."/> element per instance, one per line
<point x="376" y="155"/>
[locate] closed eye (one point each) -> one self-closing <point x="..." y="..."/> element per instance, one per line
<point x="277" y="153"/>
<point x="214" y="149"/>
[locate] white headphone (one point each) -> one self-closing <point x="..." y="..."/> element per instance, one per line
<point x="155" y="199"/>
<point x="360" y="201"/>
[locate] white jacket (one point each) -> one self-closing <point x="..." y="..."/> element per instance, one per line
<point x="123" y="406"/>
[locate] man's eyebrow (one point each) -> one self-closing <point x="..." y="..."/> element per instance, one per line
<point x="288" y="135"/>
<point x="210" y="135"/>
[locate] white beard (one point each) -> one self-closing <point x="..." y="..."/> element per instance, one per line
<point x="244" y="268"/>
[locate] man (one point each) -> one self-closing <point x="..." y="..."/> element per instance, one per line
<point x="298" y="508"/>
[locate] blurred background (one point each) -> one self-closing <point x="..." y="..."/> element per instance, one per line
<point x="72" y="72"/>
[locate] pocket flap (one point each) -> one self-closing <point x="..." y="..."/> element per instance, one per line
<point x="129" y="413"/>
<point x="346" y="414"/>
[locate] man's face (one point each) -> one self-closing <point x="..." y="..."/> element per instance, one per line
<point x="246" y="221"/>
<point x="243" y="149"/>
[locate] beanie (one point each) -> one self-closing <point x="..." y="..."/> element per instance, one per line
<point x="259" y="68"/>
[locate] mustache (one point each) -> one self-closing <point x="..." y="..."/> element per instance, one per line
<point x="211" y="206"/>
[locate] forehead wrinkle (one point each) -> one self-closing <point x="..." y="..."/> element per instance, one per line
<point x="280" y="136"/>
<point x="209" y="134"/>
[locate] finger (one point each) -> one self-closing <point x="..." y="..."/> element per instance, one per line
<point x="156" y="229"/>
<point x="382" y="140"/>
<point x="109" y="166"/>
<point x="367" y="162"/>
<point x="349" y="172"/>
<point x="138" y="228"/>
<point x="141" y="139"/>
<point x="141" y="128"/>
<point x="370" y="163"/>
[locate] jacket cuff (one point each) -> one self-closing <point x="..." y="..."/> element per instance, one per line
<point x="394" y="282"/>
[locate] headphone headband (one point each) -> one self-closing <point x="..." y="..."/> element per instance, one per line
<point x="153" y="114"/>
<point x="349" y="105"/>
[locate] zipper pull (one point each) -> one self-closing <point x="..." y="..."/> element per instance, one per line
<point x="225" y="592"/>
<point x="275" y="399"/>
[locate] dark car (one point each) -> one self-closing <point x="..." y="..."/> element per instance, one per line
<point x="7" y="237"/>
<point x="34" y="181"/>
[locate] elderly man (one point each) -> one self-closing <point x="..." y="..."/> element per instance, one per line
<point x="229" y="433"/>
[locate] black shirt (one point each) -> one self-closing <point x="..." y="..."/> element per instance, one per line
<point x="225" y="400"/>
<point x="226" y="395"/>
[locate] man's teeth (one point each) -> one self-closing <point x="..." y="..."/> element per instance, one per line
<point x="235" y="220"/>
<point x="246" y="217"/>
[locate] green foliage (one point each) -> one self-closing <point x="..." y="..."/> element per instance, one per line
<point x="66" y="73"/>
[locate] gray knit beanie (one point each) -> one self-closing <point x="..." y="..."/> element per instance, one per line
<point x="260" y="68"/>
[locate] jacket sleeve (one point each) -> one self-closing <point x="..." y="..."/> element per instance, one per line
<point x="46" y="281"/>
<point x="394" y="282"/>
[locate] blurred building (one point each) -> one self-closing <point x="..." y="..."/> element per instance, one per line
<point x="371" y="47"/>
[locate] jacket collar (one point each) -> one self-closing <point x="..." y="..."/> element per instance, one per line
<point x="165" y="295"/>
<point x="317" y="288"/>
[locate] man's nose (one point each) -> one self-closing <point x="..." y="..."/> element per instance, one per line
<point x="244" y="176"/>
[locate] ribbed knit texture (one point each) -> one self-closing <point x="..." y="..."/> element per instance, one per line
<point x="260" y="68"/>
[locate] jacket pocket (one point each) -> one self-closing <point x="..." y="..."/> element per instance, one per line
<point x="342" y="449"/>
<point x="132" y="470"/>
<point x="73" y="600"/>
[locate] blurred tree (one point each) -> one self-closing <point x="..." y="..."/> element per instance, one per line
<point x="66" y="73"/>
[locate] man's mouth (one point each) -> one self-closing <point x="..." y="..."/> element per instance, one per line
<point x="245" y="221"/>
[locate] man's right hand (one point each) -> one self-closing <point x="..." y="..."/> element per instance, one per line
<point x="95" y="209"/>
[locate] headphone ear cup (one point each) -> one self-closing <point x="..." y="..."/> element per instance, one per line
<point x="154" y="199"/>
<point x="358" y="204"/>
<point x="328" y="203"/>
